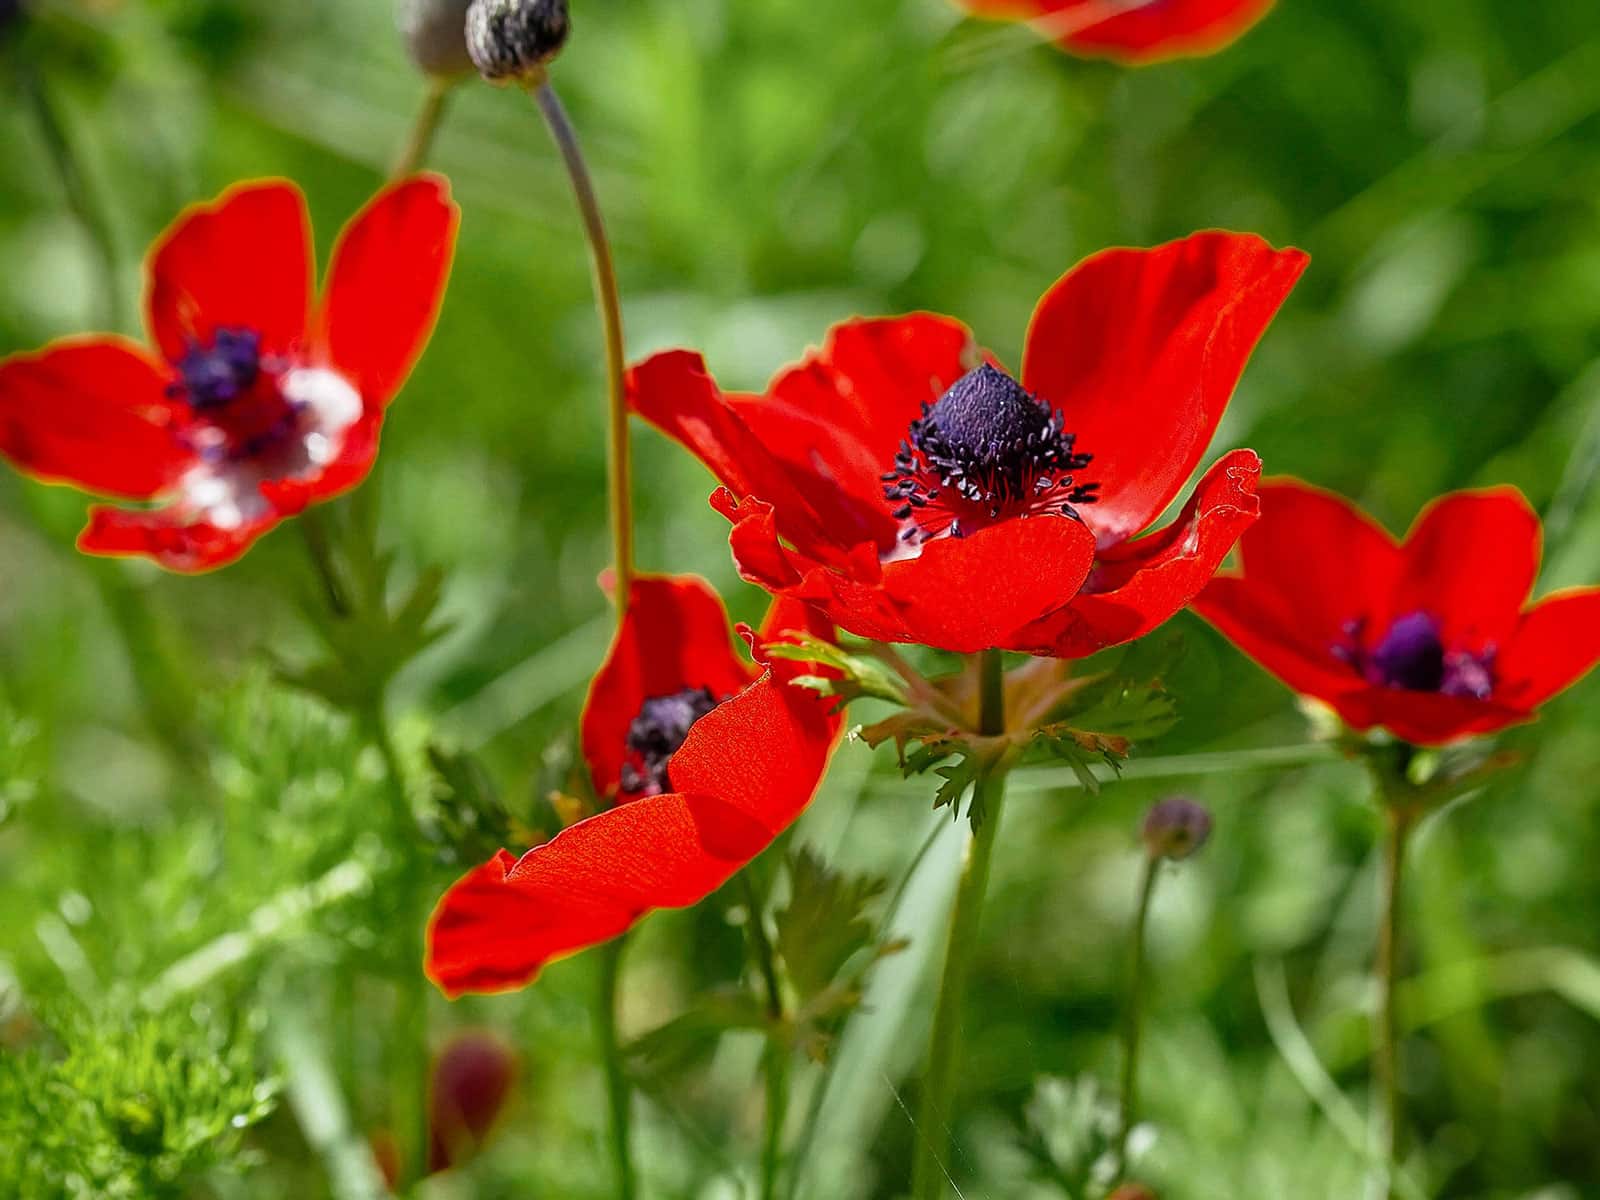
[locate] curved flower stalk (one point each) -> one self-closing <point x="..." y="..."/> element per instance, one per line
<point x="253" y="400"/>
<point x="1131" y="32"/>
<point x="910" y="489"/>
<point x="703" y="758"/>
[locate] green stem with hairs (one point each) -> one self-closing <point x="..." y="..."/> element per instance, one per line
<point x="930" y="1170"/>
<point x="775" y="1058"/>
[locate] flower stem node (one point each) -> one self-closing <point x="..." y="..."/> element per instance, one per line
<point x="1176" y="828"/>
<point x="512" y="40"/>
<point x="435" y="35"/>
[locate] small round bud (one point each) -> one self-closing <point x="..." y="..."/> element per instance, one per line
<point x="1175" y="828"/>
<point x="1132" y="1191"/>
<point x="514" y="39"/>
<point x="435" y="33"/>
<point x="472" y="1080"/>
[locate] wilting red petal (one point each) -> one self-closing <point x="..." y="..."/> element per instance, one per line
<point x="1557" y="643"/>
<point x="169" y="537"/>
<point x="746" y="771"/>
<point x="92" y="412"/>
<point x="1470" y="561"/>
<point x="242" y="261"/>
<point x="385" y="285"/>
<point x="1133" y="33"/>
<point x="1139" y="585"/>
<point x="1141" y="350"/>
<point x="675" y="637"/>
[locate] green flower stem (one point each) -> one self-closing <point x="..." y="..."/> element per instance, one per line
<point x="930" y="1174"/>
<point x="775" y="1059"/>
<point x="620" y="490"/>
<point x="619" y="1094"/>
<point x="1133" y="1026"/>
<point x="618" y="459"/>
<point x="1398" y="823"/>
<point x="419" y="141"/>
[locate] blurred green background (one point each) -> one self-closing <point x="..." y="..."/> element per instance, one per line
<point x="768" y="168"/>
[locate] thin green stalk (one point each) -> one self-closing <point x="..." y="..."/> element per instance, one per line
<point x="1398" y="824"/>
<point x="618" y="1093"/>
<point x="419" y="141"/>
<point x="1133" y="1026"/>
<point x="618" y="459"/>
<point x="620" y="492"/>
<point x="930" y="1172"/>
<point x="775" y="1058"/>
<point x="319" y="549"/>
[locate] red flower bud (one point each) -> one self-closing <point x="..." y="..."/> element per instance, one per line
<point x="472" y="1080"/>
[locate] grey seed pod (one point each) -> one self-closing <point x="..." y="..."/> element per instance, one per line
<point x="1175" y="828"/>
<point x="514" y="39"/>
<point x="435" y="33"/>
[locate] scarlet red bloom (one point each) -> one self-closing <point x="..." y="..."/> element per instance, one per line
<point x="916" y="493"/>
<point x="707" y="758"/>
<point x="1428" y="638"/>
<point x="253" y="402"/>
<point x="1132" y="32"/>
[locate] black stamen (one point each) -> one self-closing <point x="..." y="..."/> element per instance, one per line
<point x="656" y="734"/>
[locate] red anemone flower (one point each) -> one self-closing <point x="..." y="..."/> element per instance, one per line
<point x="1132" y="32"/>
<point x="253" y="402"/>
<point x="1428" y="638"/>
<point x="705" y="759"/>
<point x="914" y="492"/>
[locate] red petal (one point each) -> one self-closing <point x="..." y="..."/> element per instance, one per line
<point x="356" y="456"/>
<point x="676" y="636"/>
<point x="385" y="285"/>
<point x="978" y="592"/>
<point x="1133" y="35"/>
<point x="1426" y="718"/>
<point x="870" y="381"/>
<point x="242" y="261"/>
<point x="1349" y="572"/>
<point x="1141" y="349"/>
<point x="747" y="770"/>
<point x="92" y="412"/>
<point x="1139" y="585"/>
<point x="169" y="538"/>
<point x="1470" y="561"/>
<point x="675" y="393"/>
<point x="1557" y="643"/>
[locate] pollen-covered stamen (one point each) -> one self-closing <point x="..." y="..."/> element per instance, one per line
<point x="655" y="735"/>
<point x="983" y="452"/>
<point x="1412" y="656"/>
<point x="216" y="374"/>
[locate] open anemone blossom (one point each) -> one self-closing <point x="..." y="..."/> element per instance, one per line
<point x="1428" y="638"/>
<point x="908" y="487"/>
<point x="1131" y="32"/>
<point x="704" y="759"/>
<point x="253" y="402"/>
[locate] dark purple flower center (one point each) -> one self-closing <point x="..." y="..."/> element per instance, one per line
<point x="1412" y="656"/>
<point x="984" y="451"/>
<point x="656" y="734"/>
<point x="214" y="375"/>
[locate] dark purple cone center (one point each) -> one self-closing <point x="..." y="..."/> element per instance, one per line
<point x="1412" y="656"/>
<point x="985" y="450"/>
<point x="655" y="735"/>
<point x="214" y="375"/>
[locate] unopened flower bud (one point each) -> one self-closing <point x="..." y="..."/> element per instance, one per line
<point x="435" y="33"/>
<point x="472" y="1081"/>
<point x="1175" y="828"/>
<point x="1132" y="1191"/>
<point x="514" y="39"/>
